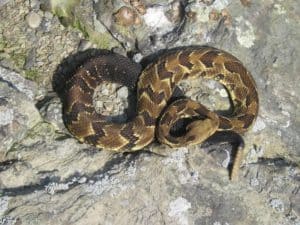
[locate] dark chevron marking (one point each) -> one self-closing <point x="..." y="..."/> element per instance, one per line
<point x="139" y="132"/>
<point x="155" y="97"/>
<point x="148" y="119"/>
<point x="184" y="60"/>
<point x="162" y="72"/>
<point x="127" y="132"/>
<point x="208" y="58"/>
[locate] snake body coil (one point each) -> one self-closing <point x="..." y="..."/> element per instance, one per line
<point x="154" y="89"/>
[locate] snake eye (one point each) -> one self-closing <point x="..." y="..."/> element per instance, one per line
<point x="219" y="77"/>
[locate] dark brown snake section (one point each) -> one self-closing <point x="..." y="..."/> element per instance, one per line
<point x="154" y="89"/>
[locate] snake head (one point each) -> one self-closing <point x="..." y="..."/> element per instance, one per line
<point x="200" y="130"/>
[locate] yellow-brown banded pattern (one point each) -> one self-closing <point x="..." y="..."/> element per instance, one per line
<point x="154" y="89"/>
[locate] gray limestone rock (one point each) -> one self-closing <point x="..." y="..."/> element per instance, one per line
<point x="47" y="177"/>
<point x="19" y="83"/>
<point x="18" y="113"/>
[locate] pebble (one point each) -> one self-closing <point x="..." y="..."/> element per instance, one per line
<point x="126" y="16"/>
<point x="108" y="106"/>
<point x="122" y="92"/>
<point x="99" y="104"/>
<point x="84" y="45"/>
<point x="138" y="57"/>
<point x="156" y="19"/>
<point x="105" y="91"/>
<point x="82" y="180"/>
<point x="34" y="20"/>
<point x="34" y="3"/>
<point x="223" y="93"/>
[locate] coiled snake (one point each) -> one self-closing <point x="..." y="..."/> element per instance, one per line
<point x="154" y="89"/>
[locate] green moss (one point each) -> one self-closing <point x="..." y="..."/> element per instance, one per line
<point x="65" y="10"/>
<point x="12" y="51"/>
<point x="102" y="40"/>
<point x="84" y="29"/>
<point x="41" y="129"/>
<point x="125" y="31"/>
<point x="18" y="58"/>
<point x="15" y="54"/>
<point x="31" y="74"/>
<point x="3" y="44"/>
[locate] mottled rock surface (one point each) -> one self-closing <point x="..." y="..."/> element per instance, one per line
<point x="47" y="177"/>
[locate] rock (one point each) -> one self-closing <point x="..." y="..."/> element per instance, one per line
<point x="51" y="111"/>
<point x="245" y="33"/>
<point x="48" y="177"/>
<point x="156" y="19"/>
<point x="126" y="16"/>
<point x="31" y="57"/>
<point x="155" y="23"/>
<point x="84" y="45"/>
<point x="6" y="114"/>
<point x="277" y="204"/>
<point x="34" y="20"/>
<point x="3" y="2"/>
<point x="18" y="82"/>
<point x="18" y="115"/>
<point x="122" y="92"/>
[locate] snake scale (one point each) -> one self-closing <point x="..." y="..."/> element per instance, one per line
<point x="155" y="114"/>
